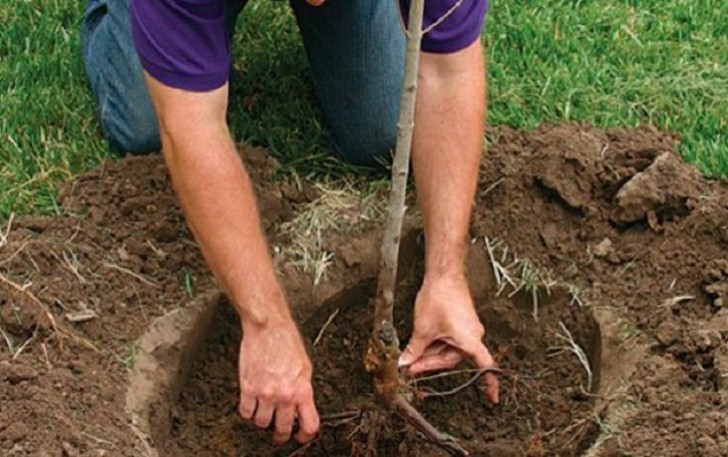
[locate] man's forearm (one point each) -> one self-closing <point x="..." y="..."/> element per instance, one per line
<point x="448" y="141"/>
<point x="219" y="203"/>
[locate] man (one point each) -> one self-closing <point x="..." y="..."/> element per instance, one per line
<point x="175" y="94"/>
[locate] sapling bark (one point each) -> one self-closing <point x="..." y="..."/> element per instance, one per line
<point x="383" y="352"/>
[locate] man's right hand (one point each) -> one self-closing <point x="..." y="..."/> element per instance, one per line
<point x="275" y="380"/>
<point x="218" y="200"/>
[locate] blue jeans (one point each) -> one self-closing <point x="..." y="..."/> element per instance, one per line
<point x="355" y="49"/>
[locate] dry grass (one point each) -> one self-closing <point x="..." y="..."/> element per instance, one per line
<point x="341" y="209"/>
<point x="611" y="427"/>
<point x="570" y="345"/>
<point x="60" y="332"/>
<point x="521" y="275"/>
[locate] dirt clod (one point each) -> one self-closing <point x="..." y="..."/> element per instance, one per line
<point x="15" y="373"/>
<point x="664" y="190"/>
<point x="14" y="432"/>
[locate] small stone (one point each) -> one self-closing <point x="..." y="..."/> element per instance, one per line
<point x="165" y="231"/>
<point x="15" y="432"/>
<point x="707" y="444"/>
<point x="667" y="333"/>
<point x="77" y="366"/>
<point x="706" y="339"/>
<point x="549" y="235"/>
<point x="603" y="249"/>
<point x="69" y="450"/>
<point x="721" y="364"/>
<point x="351" y="256"/>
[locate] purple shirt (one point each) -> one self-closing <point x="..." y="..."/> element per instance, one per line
<point x="457" y="31"/>
<point x="184" y="44"/>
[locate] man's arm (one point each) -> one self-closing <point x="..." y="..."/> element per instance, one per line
<point x="448" y="141"/>
<point x="219" y="204"/>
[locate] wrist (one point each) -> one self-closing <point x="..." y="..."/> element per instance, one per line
<point x="264" y="307"/>
<point x="437" y="270"/>
<point x="448" y="284"/>
<point x="445" y="257"/>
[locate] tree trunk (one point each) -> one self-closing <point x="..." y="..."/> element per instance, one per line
<point x="383" y="354"/>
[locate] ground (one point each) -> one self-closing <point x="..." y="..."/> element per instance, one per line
<point x="598" y="262"/>
<point x="101" y="287"/>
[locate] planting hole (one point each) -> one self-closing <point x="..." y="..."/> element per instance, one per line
<point x="545" y="406"/>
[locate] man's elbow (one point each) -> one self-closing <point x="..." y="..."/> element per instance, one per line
<point x="439" y="67"/>
<point x="183" y="115"/>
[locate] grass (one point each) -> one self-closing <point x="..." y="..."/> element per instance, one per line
<point x="47" y="128"/>
<point x="615" y="64"/>
<point x="623" y="63"/>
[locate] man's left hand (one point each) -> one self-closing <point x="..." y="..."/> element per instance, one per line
<point x="446" y="330"/>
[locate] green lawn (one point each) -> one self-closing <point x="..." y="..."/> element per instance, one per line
<point x="610" y="63"/>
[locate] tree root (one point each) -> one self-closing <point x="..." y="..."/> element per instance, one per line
<point x="432" y="434"/>
<point x="462" y="386"/>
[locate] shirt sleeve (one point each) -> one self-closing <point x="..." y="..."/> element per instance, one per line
<point x="457" y="31"/>
<point x="182" y="43"/>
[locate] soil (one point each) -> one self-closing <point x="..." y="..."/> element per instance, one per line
<point x="542" y="396"/>
<point x="635" y="241"/>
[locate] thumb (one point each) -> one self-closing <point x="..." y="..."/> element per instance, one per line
<point x="414" y="350"/>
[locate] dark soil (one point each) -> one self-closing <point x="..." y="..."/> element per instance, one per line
<point x="615" y="215"/>
<point x="543" y="407"/>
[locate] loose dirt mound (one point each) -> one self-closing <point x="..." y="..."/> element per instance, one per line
<point x="623" y="225"/>
<point x="643" y="236"/>
<point x="119" y="257"/>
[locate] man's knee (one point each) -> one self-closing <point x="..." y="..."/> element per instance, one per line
<point x="371" y="144"/>
<point x="115" y="77"/>
<point x="133" y="132"/>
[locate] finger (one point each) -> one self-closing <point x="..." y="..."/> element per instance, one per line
<point x="308" y="420"/>
<point x="492" y="388"/>
<point x="436" y="348"/>
<point x="285" y="415"/>
<point x="246" y="408"/>
<point x="442" y="360"/>
<point x="264" y="414"/>
<point x="483" y="359"/>
<point x="416" y="349"/>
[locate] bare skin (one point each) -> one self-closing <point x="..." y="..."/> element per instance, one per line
<point x="449" y="128"/>
<point x="216" y="195"/>
<point x="218" y="201"/>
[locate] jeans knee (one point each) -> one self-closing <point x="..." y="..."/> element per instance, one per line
<point x="135" y="133"/>
<point x="371" y="145"/>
